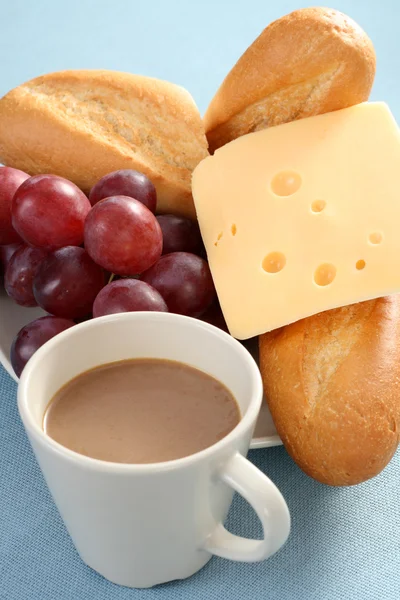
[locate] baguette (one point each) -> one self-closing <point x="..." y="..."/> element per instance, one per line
<point x="309" y="62"/>
<point x="332" y="383"/>
<point x="82" y="125"/>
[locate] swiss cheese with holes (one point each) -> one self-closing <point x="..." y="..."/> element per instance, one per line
<point x="302" y="217"/>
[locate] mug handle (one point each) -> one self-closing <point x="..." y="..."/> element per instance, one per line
<point x="270" y="506"/>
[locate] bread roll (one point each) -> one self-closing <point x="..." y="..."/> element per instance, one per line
<point x="84" y="124"/>
<point x="332" y="383"/>
<point x="312" y="61"/>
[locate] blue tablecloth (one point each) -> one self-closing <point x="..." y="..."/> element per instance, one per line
<point x="344" y="542"/>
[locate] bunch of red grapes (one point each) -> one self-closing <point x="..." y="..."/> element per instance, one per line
<point x="78" y="257"/>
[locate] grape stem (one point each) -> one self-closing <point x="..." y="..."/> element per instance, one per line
<point x="111" y="277"/>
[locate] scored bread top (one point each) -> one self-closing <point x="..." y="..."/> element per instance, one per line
<point x="332" y="382"/>
<point x="86" y="123"/>
<point x="311" y="61"/>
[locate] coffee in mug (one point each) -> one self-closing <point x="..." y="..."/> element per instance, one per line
<point x="141" y="411"/>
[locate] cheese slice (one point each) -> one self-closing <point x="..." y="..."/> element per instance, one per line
<point x="302" y="217"/>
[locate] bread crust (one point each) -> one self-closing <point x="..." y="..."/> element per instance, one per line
<point x="309" y="62"/>
<point x="332" y="383"/>
<point x="84" y="124"/>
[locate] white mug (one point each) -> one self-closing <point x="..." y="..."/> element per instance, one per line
<point x="142" y="525"/>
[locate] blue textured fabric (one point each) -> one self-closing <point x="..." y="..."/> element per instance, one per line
<point x="344" y="543"/>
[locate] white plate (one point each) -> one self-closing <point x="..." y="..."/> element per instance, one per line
<point x="13" y="317"/>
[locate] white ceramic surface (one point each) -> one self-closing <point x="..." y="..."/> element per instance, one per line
<point x="142" y="525"/>
<point x="13" y="317"/>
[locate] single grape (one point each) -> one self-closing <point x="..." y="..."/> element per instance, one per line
<point x="49" y="212"/>
<point x="123" y="236"/>
<point x="125" y="182"/>
<point x="126" y="295"/>
<point x="6" y="253"/>
<point x="180" y="234"/>
<point x="31" y="337"/>
<point x="184" y="281"/>
<point x="10" y="181"/>
<point x="19" y="275"/>
<point x="67" y="283"/>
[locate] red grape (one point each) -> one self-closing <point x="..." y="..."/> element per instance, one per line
<point x="67" y="283"/>
<point x="126" y="295"/>
<point x="125" y="182"/>
<point x="180" y="234"/>
<point x="21" y="270"/>
<point x="32" y="336"/>
<point x="49" y="212"/>
<point x="123" y="236"/>
<point x="184" y="281"/>
<point x="10" y="181"/>
<point x="6" y="252"/>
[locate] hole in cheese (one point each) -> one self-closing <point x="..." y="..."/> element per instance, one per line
<point x="318" y="206"/>
<point x="218" y="238"/>
<point x="274" y="262"/>
<point x="325" y="274"/>
<point x="360" y="265"/>
<point x="234" y="229"/>
<point x="286" y="183"/>
<point x="375" y="237"/>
